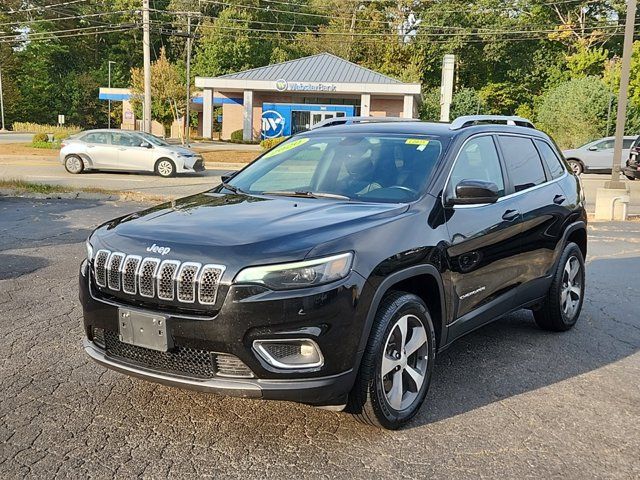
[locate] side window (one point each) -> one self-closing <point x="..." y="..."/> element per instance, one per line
<point x="606" y="145"/>
<point x="627" y="142"/>
<point x="522" y="162"/>
<point x="478" y="160"/>
<point x="550" y="158"/>
<point x="124" y="140"/>
<point x="96" y="137"/>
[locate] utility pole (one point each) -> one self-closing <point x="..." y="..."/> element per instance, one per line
<point x="146" y="53"/>
<point x="109" y="118"/>
<point x="622" y="96"/>
<point x="186" y="115"/>
<point x="1" y="103"/>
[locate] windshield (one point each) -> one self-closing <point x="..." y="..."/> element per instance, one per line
<point x="153" y="139"/>
<point x="372" y="167"/>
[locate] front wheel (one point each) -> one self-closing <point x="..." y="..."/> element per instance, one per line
<point x="397" y="364"/>
<point x="561" y="308"/>
<point x="576" y="166"/>
<point x="165" y="168"/>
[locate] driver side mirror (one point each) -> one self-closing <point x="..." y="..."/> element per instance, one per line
<point x="145" y="145"/>
<point x="470" y="192"/>
<point x="593" y="148"/>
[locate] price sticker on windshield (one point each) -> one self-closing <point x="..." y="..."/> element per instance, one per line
<point x="421" y="143"/>
<point x="286" y="147"/>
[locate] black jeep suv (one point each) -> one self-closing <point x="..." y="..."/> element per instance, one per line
<point x="334" y="268"/>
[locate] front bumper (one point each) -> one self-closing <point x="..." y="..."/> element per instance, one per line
<point x="314" y="391"/>
<point x="331" y="316"/>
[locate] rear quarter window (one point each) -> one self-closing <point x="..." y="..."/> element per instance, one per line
<point x="554" y="165"/>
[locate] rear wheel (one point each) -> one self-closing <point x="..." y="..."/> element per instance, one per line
<point x="561" y="308"/>
<point x="397" y="364"/>
<point x="73" y="164"/>
<point x="165" y="168"/>
<point x="576" y="166"/>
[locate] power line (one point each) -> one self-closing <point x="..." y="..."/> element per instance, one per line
<point x="57" y="19"/>
<point x="72" y="35"/>
<point x="41" y="7"/>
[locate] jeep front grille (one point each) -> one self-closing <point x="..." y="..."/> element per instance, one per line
<point x="188" y="282"/>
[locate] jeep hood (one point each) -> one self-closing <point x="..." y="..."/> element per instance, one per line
<point x="243" y="229"/>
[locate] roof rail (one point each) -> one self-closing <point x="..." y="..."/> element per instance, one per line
<point x="329" y="122"/>
<point x="469" y="120"/>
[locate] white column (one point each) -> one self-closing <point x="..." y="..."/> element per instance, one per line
<point x="207" y="113"/>
<point x="446" y="87"/>
<point x="247" y="116"/>
<point x="407" y="107"/>
<point x="365" y="104"/>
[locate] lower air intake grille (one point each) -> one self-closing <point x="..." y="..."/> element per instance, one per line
<point x="232" y="366"/>
<point x="190" y="362"/>
<point x="182" y="360"/>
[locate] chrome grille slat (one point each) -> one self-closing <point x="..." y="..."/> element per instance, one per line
<point x="150" y="277"/>
<point x="187" y="276"/>
<point x="208" y="282"/>
<point x="147" y="277"/>
<point x="100" y="267"/>
<point x="130" y="273"/>
<point x="166" y="278"/>
<point x="113" y="270"/>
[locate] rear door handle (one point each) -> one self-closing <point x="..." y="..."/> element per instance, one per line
<point x="559" y="199"/>
<point x="510" y="215"/>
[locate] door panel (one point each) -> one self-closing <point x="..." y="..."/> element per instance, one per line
<point x="131" y="156"/>
<point x="103" y="155"/>
<point x="483" y="238"/>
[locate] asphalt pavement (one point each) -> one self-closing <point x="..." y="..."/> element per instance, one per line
<point x="507" y="401"/>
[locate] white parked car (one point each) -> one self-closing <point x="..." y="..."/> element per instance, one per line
<point x="129" y="151"/>
<point x="597" y="155"/>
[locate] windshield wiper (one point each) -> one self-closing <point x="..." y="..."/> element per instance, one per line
<point x="306" y="194"/>
<point x="231" y="188"/>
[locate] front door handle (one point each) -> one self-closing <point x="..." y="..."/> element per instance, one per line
<point x="559" y="199"/>
<point x="510" y="215"/>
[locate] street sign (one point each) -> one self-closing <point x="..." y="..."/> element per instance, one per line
<point x="60" y="119"/>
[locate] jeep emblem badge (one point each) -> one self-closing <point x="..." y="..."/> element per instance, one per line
<point x="157" y="249"/>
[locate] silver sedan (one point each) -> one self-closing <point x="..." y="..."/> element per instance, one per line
<point x="597" y="155"/>
<point x="122" y="150"/>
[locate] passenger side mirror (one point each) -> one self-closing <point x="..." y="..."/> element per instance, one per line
<point x="145" y="145"/>
<point x="470" y="192"/>
<point x="225" y="177"/>
<point x="593" y="148"/>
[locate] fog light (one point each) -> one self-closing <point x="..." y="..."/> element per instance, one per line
<point x="290" y="353"/>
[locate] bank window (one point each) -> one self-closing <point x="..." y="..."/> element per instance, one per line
<point x="550" y="158"/>
<point x="478" y="160"/>
<point x="522" y="162"/>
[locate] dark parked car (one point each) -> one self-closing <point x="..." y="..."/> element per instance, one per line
<point x="632" y="168"/>
<point x="333" y="269"/>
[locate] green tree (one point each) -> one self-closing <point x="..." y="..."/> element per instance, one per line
<point x="574" y="112"/>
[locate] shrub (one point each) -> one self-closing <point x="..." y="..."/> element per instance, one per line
<point x="40" y="128"/>
<point x="59" y="136"/>
<point x="40" y="138"/>
<point x="236" y="136"/>
<point x="268" y="143"/>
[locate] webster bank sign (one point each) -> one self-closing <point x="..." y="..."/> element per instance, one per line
<point x="284" y="86"/>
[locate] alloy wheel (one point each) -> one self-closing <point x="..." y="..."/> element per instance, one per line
<point x="575" y="166"/>
<point x="571" y="291"/>
<point x="404" y="362"/>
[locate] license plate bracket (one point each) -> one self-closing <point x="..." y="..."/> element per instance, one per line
<point x="143" y="329"/>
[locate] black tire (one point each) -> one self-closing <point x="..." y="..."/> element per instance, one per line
<point x="165" y="168"/>
<point x="368" y="401"/>
<point x="576" y="166"/>
<point x="73" y="164"/>
<point x="553" y="314"/>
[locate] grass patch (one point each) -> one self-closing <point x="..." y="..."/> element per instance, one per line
<point x="228" y="156"/>
<point x="31" y="187"/>
<point x="47" y="145"/>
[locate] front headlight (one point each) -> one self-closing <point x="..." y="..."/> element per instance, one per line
<point x="307" y="273"/>
<point x="89" y="250"/>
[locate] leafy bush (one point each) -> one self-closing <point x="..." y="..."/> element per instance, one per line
<point x="268" y="143"/>
<point x="40" y="138"/>
<point x="59" y="136"/>
<point x="236" y="136"/>
<point x="47" y="145"/>
<point x="574" y="112"/>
